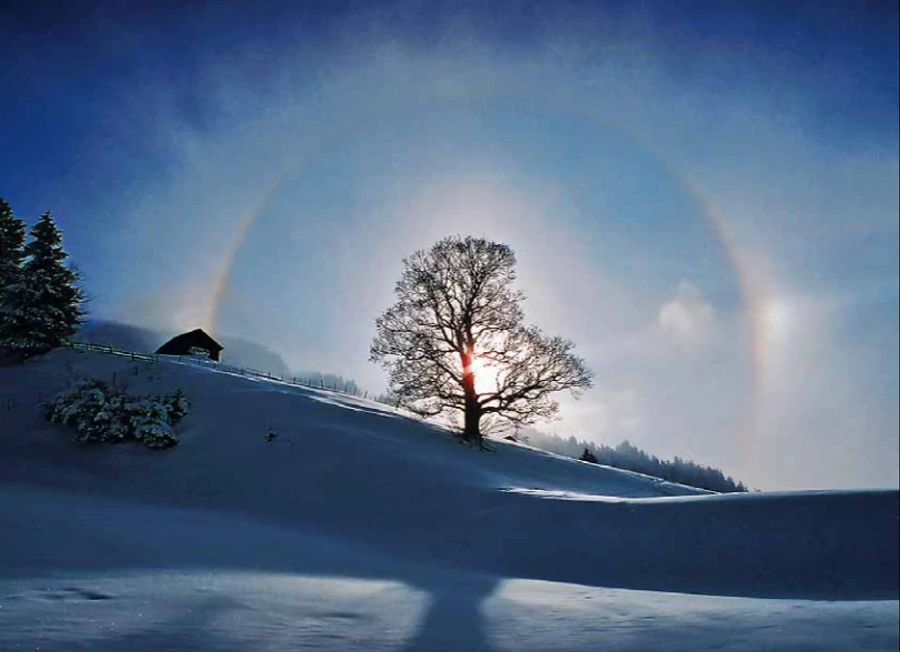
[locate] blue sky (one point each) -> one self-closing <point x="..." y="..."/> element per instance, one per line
<point x="703" y="196"/>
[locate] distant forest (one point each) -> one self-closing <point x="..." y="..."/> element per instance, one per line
<point x="330" y="381"/>
<point x="625" y="456"/>
<point x="631" y="458"/>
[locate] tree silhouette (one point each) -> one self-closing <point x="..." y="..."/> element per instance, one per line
<point x="588" y="456"/>
<point x="12" y="241"/>
<point x="456" y="317"/>
<point x="43" y="308"/>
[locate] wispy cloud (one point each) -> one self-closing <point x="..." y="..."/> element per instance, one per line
<point x="687" y="318"/>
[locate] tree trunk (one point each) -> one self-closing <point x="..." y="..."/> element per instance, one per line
<point x="471" y="429"/>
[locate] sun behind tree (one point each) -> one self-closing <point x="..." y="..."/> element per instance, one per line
<point x="455" y="341"/>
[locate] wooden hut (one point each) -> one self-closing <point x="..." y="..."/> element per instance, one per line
<point x="195" y="342"/>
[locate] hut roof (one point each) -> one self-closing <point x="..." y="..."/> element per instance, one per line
<point x="197" y="337"/>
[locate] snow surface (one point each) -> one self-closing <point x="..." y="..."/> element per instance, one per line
<point x="357" y="528"/>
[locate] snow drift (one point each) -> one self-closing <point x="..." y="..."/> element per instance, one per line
<point x="349" y="489"/>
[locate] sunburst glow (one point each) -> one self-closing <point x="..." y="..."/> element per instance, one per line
<point x="486" y="374"/>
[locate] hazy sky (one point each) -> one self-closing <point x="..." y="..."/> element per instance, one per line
<point x="702" y="195"/>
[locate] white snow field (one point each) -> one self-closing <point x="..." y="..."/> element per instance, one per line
<point x="360" y="529"/>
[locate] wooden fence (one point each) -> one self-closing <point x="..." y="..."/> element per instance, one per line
<point x="204" y="362"/>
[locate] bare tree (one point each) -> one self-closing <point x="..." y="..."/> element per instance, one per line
<point x="457" y="318"/>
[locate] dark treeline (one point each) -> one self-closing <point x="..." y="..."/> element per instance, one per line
<point x="329" y="381"/>
<point x="631" y="458"/>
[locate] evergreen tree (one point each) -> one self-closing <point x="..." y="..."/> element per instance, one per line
<point x="12" y="240"/>
<point x="588" y="456"/>
<point x="43" y="308"/>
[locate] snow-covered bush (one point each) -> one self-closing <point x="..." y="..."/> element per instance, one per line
<point x="100" y="412"/>
<point x="93" y="409"/>
<point x="157" y="435"/>
<point x="177" y="405"/>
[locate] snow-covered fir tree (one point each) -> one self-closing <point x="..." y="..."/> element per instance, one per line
<point x="12" y="241"/>
<point x="588" y="456"/>
<point x="43" y="308"/>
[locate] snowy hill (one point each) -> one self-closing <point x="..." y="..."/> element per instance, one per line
<point x="358" y="528"/>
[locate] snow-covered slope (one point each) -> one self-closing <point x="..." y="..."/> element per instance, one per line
<point x="358" y="528"/>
